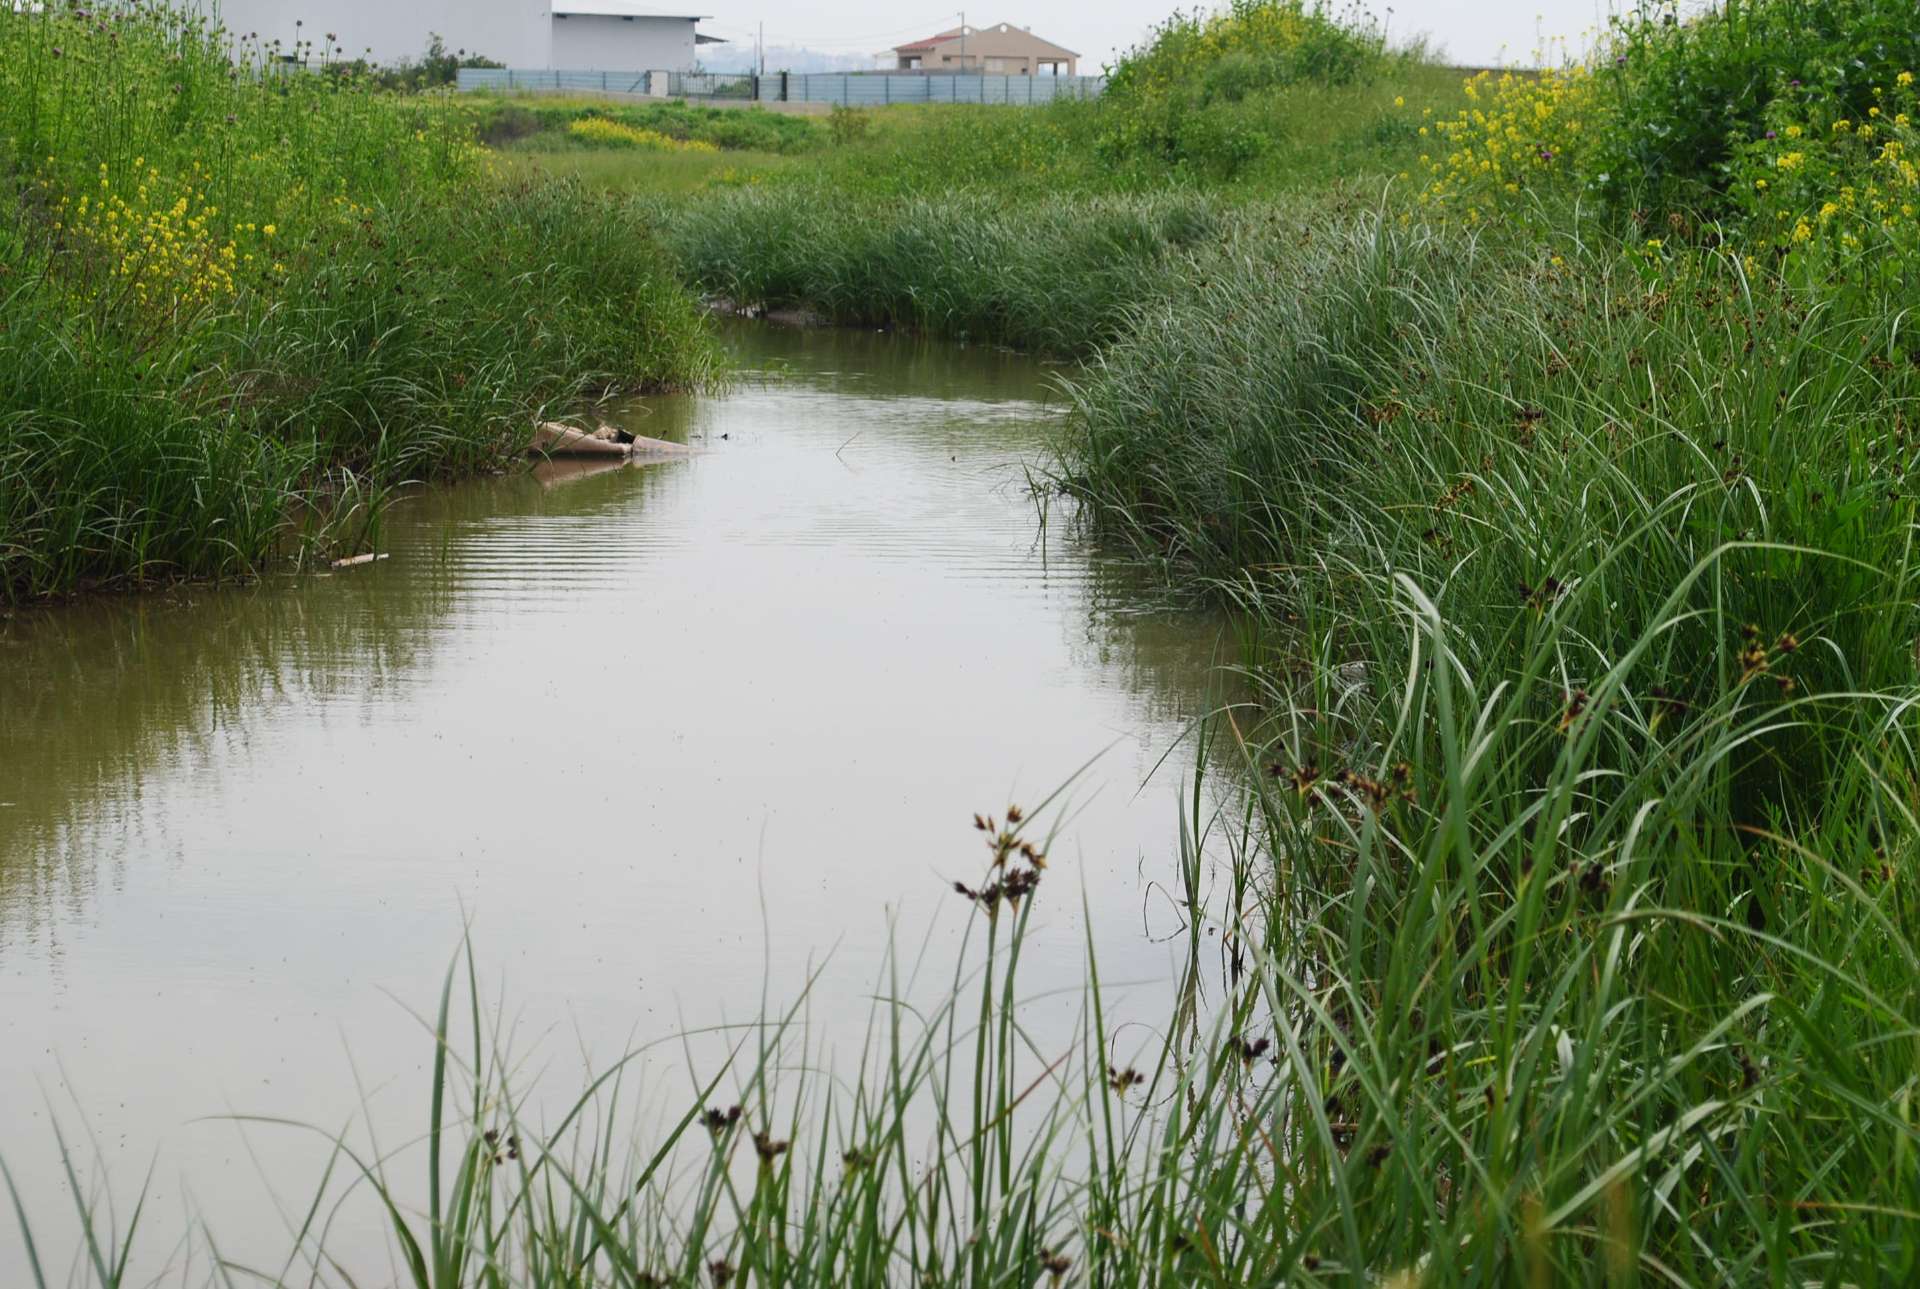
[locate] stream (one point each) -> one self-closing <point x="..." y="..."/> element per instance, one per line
<point x="663" y="737"/>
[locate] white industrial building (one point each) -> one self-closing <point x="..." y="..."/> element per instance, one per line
<point x="589" y="35"/>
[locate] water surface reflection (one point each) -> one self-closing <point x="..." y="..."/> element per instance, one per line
<point x="658" y="732"/>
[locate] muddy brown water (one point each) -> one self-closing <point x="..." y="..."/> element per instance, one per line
<point x="663" y="736"/>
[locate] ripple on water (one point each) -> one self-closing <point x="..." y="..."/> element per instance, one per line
<point x="613" y="718"/>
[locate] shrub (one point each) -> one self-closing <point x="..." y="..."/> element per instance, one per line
<point x="1161" y="101"/>
<point x="754" y="130"/>
<point x="500" y="123"/>
<point x="847" y="124"/>
<point x="1763" y="121"/>
<point x="1685" y="96"/>
<point x="1835" y="199"/>
<point x="1252" y="45"/>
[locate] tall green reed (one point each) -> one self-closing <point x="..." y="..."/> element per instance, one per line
<point x="1582" y="743"/>
<point x="1053" y="277"/>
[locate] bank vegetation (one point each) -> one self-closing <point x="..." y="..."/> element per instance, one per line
<point x="1552" y="429"/>
<point x="239" y="306"/>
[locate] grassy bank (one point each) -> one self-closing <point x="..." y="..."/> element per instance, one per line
<point x="230" y="299"/>
<point x="1556" y="427"/>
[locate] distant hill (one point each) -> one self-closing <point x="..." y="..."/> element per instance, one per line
<point x="781" y="58"/>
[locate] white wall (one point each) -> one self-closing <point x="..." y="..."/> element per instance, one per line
<point x="519" y="33"/>
<point x="599" y="42"/>
<point x="514" y="32"/>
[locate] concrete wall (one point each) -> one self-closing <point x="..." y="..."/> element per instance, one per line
<point x="804" y="93"/>
<point x="597" y="42"/>
<point x="514" y="32"/>
<point x="870" y="89"/>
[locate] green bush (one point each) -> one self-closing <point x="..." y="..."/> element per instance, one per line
<point x="847" y="124"/>
<point x="1163" y="100"/>
<point x="1685" y="96"/>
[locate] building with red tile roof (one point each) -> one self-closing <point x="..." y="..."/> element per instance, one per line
<point x="999" y="50"/>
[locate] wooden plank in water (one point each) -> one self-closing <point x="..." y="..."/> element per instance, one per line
<point x="557" y="440"/>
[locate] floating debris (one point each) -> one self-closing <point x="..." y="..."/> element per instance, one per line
<point x="557" y="440"/>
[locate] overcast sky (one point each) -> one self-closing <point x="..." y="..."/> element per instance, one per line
<point x="1472" y="31"/>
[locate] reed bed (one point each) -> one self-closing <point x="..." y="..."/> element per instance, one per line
<point x="1053" y="278"/>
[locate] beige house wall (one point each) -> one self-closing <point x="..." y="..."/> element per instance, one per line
<point x="1000" y="50"/>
